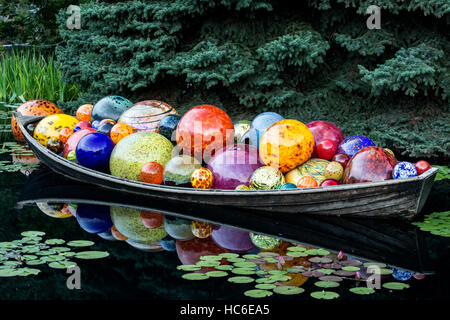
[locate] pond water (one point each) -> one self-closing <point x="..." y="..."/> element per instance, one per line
<point x="205" y="253"/>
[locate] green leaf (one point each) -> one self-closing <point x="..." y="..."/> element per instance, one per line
<point x="195" y="276"/>
<point x="80" y="243"/>
<point x="241" y="279"/>
<point x="326" y="284"/>
<point x="91" y="255"/>
<point x="288" y="290"/>
<point x="258" y="293"/>
<point x="362" y="290"/>
<point x="325" y="295"/>
<point x="395" y="285"/>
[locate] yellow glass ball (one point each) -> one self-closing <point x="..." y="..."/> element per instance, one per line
<point x="286" y="144"/>
<point x="334" y="171"/>
<point x="50" y="126"/>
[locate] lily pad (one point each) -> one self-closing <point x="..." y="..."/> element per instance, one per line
<point x="362" y="290"/>
<point x="326" y="295"/>
<point x="55" y="241"/>
<point x="189" y="267"/>
<point x="326" y="284"/>
<point x="243" y="271"/>
<point x="265" y="286"/>
<point x="195" y="276"/>
<point x="10" y="272"/>
<point x="27" y="271"/>
<point x="244" y="264"/>
<point x="288" y="290"/>
<point x="395" y="285"/>
<point x="211" y="257"/>
<point x="383" y="271"/>
<point x="87" y="255"/>
<point x="217" y="274"/>
<point x="61" y="264"/>
<point x="32" y="234"/>
<point x="297" y="254"/>
<point x="331" y="278"/>
<point x="53" y="258"/>
<point x="350" y="268"/>
<point x="296" y="248"/>
<point x="258" y="293"/>
<point x="224" y="267"/>
<point x="35" y="262"/>
<point x="80" y="243"/>
<point x="60" y="249"/>
<point x="320" y="260"/>
<point x="241" y="279"/>
<point x="274" y="272"/>
<point x="208" y="263"/>
<point x="326" y="271"/>
<point x="228" y="255"/>
<point x="236" y="259"/>
<point x="251" y="256"/>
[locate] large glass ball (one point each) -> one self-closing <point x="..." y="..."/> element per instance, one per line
<point x="94" y="151"/>
<point x="110" y="107"/>
<point x="50" y="126"/>
<point x="234" y="166"/>
<point x="368" y="165"/>
<point x="260" y="124"/>
<point x="135" y="150"/>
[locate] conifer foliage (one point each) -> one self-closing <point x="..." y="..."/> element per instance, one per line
<point x="314" y="61"/>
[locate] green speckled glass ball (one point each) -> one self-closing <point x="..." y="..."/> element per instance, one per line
<point x="129" y="223"/>
<point x="266" y="178"/>
<point x="135" y="150"/>
<point x="265" y="242"/>
<point x="179" y="169"/>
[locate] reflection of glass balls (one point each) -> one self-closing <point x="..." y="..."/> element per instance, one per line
<point x="93" y="218"/>
<point x="135" y="150"/>
<point x="368" y="165"/>
<point x="168" y="243"/>
<point x="178" y="228"/>
<point x="190" y="251"/>
<point x="286" y="144"/>
<point x="201" y="229"/>
<point x="234" y="166"/>
<point x="94" y="150"/>
<point x="232" y="239"/>
<point x="401" y="275"/>
<point x="265" y="242"/>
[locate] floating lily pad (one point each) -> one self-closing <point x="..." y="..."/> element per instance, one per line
<point x="265" y="286"/>
<point x="243" y="271"/>
<point x="229" y="255"/>
<point x="80" y="243"/>
<point x="244" y="264"/>
<point x="383" y="271"/>
<point x="251" y="256"/>
<point x="320" y="260"/>
<point x="68" y="254"/>
<point x="274" y="272"/>
<point x="45" y="253"/>
<point x="60" y="249"/>
<point x="280" y="277"/>
<point x="211" y="257"/>
<point x="233" y="260"/>
<point x="326" y="284"/>
<point x="208" y="263"/>
<point x="10" y="272"/>
<point x="270" y="260"/>
<point x="195" y="276"/>
<point x="362" y="290"/>
<point x="35" y="262"/>
<point x="294" y="270"/>
<point x="27" y="271"/>
<point x="12" y="263"/>
<point x="61" y="264"/>
<point x="296" y="248"/>
<point x="266" y="280"/>
<point x="395" y="285"/>
<point x="29" y="257"/>
<point x="224" y="267"/>
<point x="261" y="272"/>
<point x="322" y="252"/>
<point x="8" y="245"/>
<point x="344" y="273"/>
<point x="326" y="295"/>
<point x="32" y="234"/>
<point x="55" y="241"/>
<point x="217" y="274"/>
<point x="258" y="293"/>
<point x="313" y="273"/>
<point x="353" y="263"/>
<point x="288" y="290"/>
<point x="241" y="279"/>
<point x="331" y="278"/>
<point x="326" y="271"/>
<point x="350" y="268"/>
<point x="91" y="255"/>
<point x="189" y="267"/>
<point x="268" y="254"/>
<point x="297" y="254"/>
<point x="53" y="258"/>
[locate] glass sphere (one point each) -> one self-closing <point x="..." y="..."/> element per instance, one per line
<point x="313" y="167"/>
<point x="260" y="124"/>
<point x="233" y="239"/>
<point x="110" y="107"/>
<point x="265" y="178"/>
<point x="168" y="126"/>
<point x="94" y="151"/>
<point x="286" y="144"/>
<point x="179" y="169"/>
<point x="234" y="166"/>
<point x="93" y="218"/>
<point x="50" y="126"/>
<point x="368" y="165"/>
<point x="353" y="144"/>
<point x="135" y="150"/>
<point x="322" y="130"/>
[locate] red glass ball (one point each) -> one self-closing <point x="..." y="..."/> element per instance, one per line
<point x="342" y="158"/>
<point x="326" y="149"/>
<point x="329" y="183"/>
<point x="422" y="166"/>
<point x="152" y="172"/>
<point x="203" y="130"/>
<point x="151" y="220"/>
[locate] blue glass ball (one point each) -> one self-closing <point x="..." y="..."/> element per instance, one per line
<point x="168" y="125"/>
<point x="288" y="186"/>
<point x="168" y="243"/>
<point x="401" y="275"/>
<point x="260" y="124"/>
<point x="403" y="170"/>
<point x="94" y="218"/>
<point x="95" y="124"/>
<point x="94" y="150"/>
<point x="105" y="128"/>
<point x="110" y="107"/>
<point x="353" y="144"/>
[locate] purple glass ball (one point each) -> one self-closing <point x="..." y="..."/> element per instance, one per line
<point x="233" y="239"/>
<point x="234" y="166"/>
<point x="353" y="144"/>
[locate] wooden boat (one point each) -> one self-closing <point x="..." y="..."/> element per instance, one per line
<point x="402" y="198"/>
<point x="396" y="243"/>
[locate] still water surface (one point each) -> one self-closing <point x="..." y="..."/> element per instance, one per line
<point x="218" y="249"/>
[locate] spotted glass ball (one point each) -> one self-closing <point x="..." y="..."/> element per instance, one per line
<point x="202" y="178"/>
<point x="266" y="178"/>
<point x="55" y="145"/>
<point x="353" y="144"/>
<point x="403" y="170"/>
<point x="201" y="229"/>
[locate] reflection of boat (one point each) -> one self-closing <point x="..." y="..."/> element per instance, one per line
<point x="402" y="198"/>
<point x="397" y="243"/>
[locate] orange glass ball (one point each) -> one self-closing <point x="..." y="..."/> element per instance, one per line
<point x="65" y="134"/>
<point x="202" y="178"/>
<point x="117" y="235"/>
<point x="120" y="131"/>
<point x="307" y="182"/>
<point x="152" y="172"/>
<point x="201" y="229"/>
<point x="203" y="130"/>
<point x="286" y="144"/>
<point x="33" y="108"/>
<point x="106" y="121"/>
<point x="84" y="112"/>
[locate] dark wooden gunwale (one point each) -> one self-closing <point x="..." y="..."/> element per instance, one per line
<point x="393" y="198"/>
